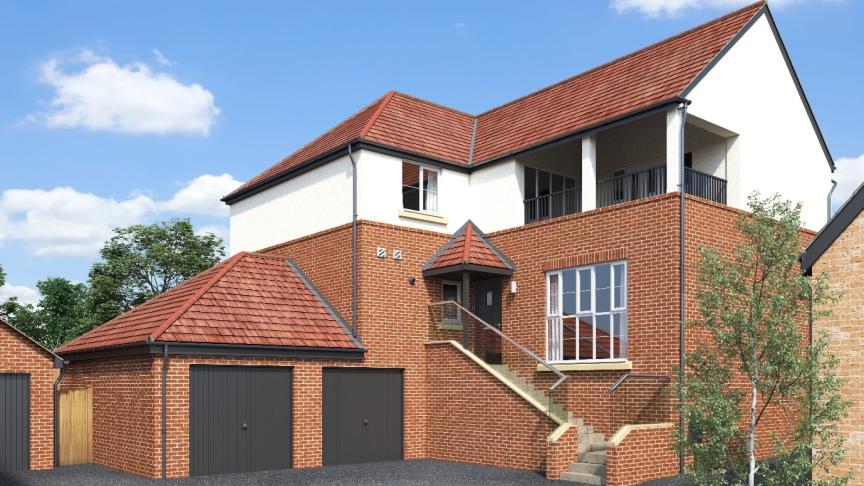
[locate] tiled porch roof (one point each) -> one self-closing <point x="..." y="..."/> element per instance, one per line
<point x="468" y="249"/>
<point x="249" y="299"/>
<point x="650" y="77"/>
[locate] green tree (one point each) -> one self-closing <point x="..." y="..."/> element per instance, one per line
<point x="57" y="318"/>
<point x="141" y="261"/>
<point x="753" y="311"/>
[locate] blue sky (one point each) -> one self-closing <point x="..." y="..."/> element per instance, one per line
<point x="207" y="94"/>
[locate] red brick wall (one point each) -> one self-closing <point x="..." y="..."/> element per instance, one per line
<point x="19" y="355"/>
<point x="475" y="418"/>
<point x="562" y="452"/>
<point x="645" y="234"/>
<point x="643" y="455"/>
<point x="127" y="394"/>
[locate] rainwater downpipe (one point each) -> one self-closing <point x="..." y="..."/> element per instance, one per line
<point x="164" y="410"/>
<point x="681" y="324"/>
<point x="353" y="242"/>
<point x="56" y="415"/>
<point x="830" y="193"/>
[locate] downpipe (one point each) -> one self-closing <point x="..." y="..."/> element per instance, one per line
<point x="57" y="414"/>
<point x="681" y="279"/>
<point x="353" y="242"/>
<point x="164" y="410"/>
<point x="830" y="193"/>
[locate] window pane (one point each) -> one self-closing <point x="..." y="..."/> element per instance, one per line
<point x="410" y="186"/>
<point x="450" y="292"/>
<point x="603" y="281"/>
<point x="620" y="285"/>
<point x="584" y="290"/>
<point x="430" y="190"/>
<point x="586" y="337"/>
<point x="604" y="330"/>
<point x="543" y="182"/>
<point x="570" y="342"/>
<point x="569" y="282"/>
<point x="620" y="345"/>
<point x="553" y="294"/>
<point x="557" y="183"/>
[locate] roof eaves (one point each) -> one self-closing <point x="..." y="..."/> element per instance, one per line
<point x="155" y="334"/>
<point x="833" y="229"/>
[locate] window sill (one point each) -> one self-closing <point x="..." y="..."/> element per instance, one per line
<point x="420" y="216"/>
<point x="610" y="366"/>
<point x="450" y="326"/>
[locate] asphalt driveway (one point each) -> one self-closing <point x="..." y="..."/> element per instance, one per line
<point x="419" y="472"/>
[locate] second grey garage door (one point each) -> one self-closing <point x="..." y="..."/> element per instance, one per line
<point x="239" y="419"/>
<point x="362" y="415"/>
<point x="14" y="422"/>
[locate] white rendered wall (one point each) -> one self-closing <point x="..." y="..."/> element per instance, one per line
<point x="379" y="193"/>
<point x="311" y="202"/>
<point x="497" y="192"/>
<point x="751" y="92"/>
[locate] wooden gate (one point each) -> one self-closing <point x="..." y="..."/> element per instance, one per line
<point x="76" y="426"/>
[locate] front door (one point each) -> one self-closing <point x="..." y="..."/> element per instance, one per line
<point x="487" y="305"/>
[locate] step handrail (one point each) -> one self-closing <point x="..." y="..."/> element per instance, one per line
<point x="561" y="376"/>
<point x="627" y="376"/>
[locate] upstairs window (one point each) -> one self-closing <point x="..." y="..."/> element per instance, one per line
<point x="419" y="188"/>
<point x="586" y="313"/>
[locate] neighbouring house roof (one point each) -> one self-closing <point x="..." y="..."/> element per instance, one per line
<point x="648" y="78"/>
<point x="468" y="249"/>
<point x="833" y="229"/>
<point x="250" y="299"/>
<point x="58" y="361"/>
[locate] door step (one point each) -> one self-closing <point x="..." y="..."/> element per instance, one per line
<point x="591" y="468"/>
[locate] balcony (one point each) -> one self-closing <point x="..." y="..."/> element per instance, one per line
<point x="623" y="188"/>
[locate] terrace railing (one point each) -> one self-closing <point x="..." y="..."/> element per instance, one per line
<point x="553" y="205"/>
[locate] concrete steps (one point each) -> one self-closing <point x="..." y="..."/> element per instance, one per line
<point x="553" y="408"/>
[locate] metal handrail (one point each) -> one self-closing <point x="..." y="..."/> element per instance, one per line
<point x="627" y="376"/>
<point x="561" y="376"/>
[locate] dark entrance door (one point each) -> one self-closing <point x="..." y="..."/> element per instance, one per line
<point x="362" y="415"/>
<point x="14" y="422"/>
<point x="239" y="419"/>
<point x="487" y="306"/>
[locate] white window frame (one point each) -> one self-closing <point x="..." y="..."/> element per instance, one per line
<point x="555" y="320"/>
<point x="421" y="187"/>
<point x="453" y="321"/>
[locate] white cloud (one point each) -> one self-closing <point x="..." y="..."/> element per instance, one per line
<point x="161" y="59"/>
<point x="219" y="230"/>
<point x="64" y="221"/>
<point x="849" y="175"/>
<point x="202" y="195"/>
<point x="25" y="294"/>
<point x="671" y="8"/>
<point x="130" y="98"/>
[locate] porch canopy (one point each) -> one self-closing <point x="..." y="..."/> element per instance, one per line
<point x="468" y="253"/>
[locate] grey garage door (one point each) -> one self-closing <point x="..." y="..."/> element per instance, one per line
<point x="239" y="419"/>
<point x="14" y="422"/>
<point x="362" y="415"/>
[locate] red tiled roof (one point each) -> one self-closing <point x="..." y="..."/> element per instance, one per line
<point x="468" y="246"/>
<point x="649" y="77"/>
<point x="250" y="299"/>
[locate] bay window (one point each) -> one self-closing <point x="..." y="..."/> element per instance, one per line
<point x="586" y="313"/>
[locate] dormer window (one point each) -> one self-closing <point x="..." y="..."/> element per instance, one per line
<point x="419" y="188"/>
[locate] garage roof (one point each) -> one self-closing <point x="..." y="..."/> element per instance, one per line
<point x="249" y="299"/>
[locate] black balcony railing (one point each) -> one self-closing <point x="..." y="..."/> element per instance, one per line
<point x="552" y="205"/>
<point x="621" y="189"/>
<point x="704" y="185"/>
<point x="632" y="186"/>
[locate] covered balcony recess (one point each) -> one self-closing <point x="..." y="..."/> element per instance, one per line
<point x="628" y="162"/>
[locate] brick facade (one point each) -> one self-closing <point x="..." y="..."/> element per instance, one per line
<point x="844" y="264"/>
<point x="19" y="355"/>
<point x="448" y="412"/>
<point x="644" y="454"/>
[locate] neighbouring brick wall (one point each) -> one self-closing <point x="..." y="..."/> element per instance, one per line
<point x="646" y="453"/>
<point x="843" y="262"/>
<point x="21" y="356"/>
<point x="475" y="418"/>
<point x="126" y="411"/>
